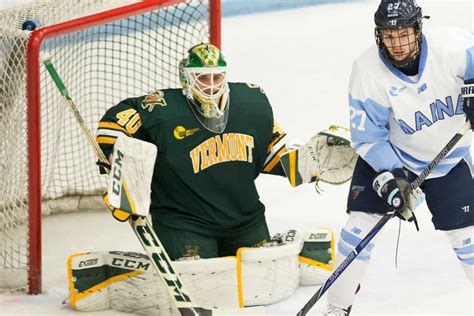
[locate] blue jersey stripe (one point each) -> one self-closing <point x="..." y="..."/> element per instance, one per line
<point x="370" y="134"/>
<point x="469" y="74"/>
<point x="465" y="250"/>
<point x="353" y="240"/>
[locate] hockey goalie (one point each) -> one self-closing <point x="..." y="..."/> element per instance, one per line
<point x="190" y="157"/>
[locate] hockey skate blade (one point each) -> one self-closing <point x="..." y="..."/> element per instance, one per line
<point x="251" y="311"/>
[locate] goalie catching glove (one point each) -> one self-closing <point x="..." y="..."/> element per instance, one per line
<point x="326" y="157"/>
<point x="394" y="188"/>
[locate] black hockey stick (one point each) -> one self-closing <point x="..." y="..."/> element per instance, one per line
<point x="140" y="224"/>
<point x="415" y="184"/>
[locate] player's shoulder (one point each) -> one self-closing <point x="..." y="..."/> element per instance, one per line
<point x="368" y="58"/>
<point x="368" y="65"/>
<point x="161" y="100"/>
<point x="154" y="101"/>
<point x="242" y="92"/>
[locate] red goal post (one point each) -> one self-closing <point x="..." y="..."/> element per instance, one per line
<point x="103" y="56"/>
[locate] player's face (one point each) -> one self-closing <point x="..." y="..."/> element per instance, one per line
<point x="210" y="83"/>
<point x="400" y="43"/>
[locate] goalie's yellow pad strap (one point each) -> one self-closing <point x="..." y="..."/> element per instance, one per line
<point x="315" y="263"/>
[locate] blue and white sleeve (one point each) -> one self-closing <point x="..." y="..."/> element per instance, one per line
<point x="469" y="72"/>
<point x="369" y="119"/>
<point x="459" y="45"/>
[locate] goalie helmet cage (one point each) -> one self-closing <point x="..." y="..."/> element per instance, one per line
<point x="105" y="51"/>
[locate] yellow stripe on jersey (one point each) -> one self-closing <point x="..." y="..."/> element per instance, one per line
<point x="292" y="168"/>
<point x="114" y="126"/>
<point x="274" y="161"/>
<point x="275" y="141"/>
<point x="106" y="140"/>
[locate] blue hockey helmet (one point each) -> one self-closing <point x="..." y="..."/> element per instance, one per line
<point x="393" y="14"/>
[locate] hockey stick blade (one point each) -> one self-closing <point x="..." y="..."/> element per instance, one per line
<point x="415" y="184"/>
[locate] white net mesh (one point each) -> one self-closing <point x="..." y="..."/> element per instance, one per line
<point x="100" y="66"/>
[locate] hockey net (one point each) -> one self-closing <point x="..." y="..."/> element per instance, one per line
<point x="105" y="51"/>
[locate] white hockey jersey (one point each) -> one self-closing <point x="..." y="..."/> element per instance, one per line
<point x="401" y="121"/>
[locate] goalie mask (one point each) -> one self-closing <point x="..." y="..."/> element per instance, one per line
<point x="398" y="31"/>
<point x="203" y="76"/>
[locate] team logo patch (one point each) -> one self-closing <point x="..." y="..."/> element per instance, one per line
<point x="394" y="91"/>
<point x="422" y="88"/>
<point x="318" y="236"/>
<point x="396" y="202"/>
<point x="152" y="99"/>
<point x="181" y="132"/>
<point x="356" y="189"/>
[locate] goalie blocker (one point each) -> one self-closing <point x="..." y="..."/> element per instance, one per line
<point x="125" y="281"/>
<point x="133" y="160"/>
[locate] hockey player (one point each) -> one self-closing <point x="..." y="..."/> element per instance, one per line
<point x="213" y="142"/>
<point x="405" y="104"/>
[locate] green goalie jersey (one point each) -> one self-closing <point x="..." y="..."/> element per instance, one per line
<point x="203" y="181"/>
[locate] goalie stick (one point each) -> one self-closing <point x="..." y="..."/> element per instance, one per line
<point x="140" y="224"/>
<point x="377" y="227"/>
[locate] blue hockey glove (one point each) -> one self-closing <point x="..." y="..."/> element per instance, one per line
<point x="467" y="92"/>
<point x="394" y="188"/>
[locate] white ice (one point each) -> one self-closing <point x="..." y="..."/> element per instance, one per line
<point x="302" y="58"/>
